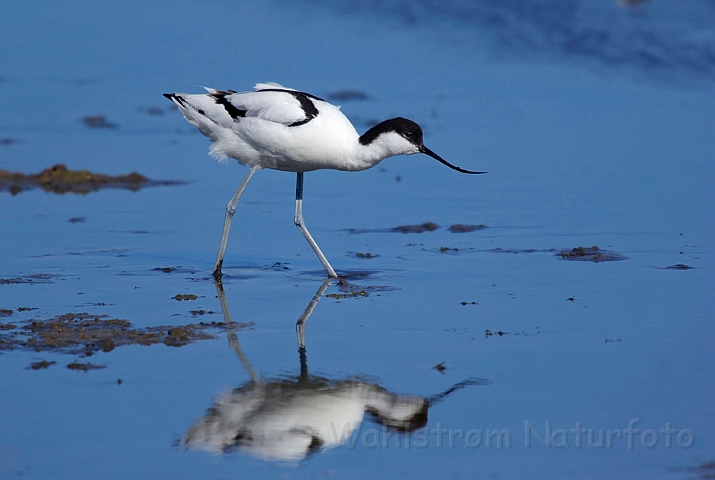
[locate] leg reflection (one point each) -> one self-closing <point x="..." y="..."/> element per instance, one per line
<point x="299" y="327"/>
<point x="303" y="320"/>
<point x="232" y="337"/>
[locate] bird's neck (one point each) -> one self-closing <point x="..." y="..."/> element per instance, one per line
<point x="368" y="155"/>
<point x="365" y="157"/>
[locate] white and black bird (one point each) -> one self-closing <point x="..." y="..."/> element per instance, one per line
<point x="284" y="129"/>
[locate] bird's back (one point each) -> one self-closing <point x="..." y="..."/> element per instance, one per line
<point x="273" y="127"/>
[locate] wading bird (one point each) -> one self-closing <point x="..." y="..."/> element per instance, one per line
<point x="284" y="129"/>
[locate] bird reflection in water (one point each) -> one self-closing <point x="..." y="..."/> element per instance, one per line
<point x="290" y="418"/>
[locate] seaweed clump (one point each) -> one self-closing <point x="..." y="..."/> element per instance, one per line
<point x="591" y="254"/>
<point x="85" y="334"/>
<point x="461" y="228"/>
<point x="350" y="290"/>
<point x="59" y="179"/>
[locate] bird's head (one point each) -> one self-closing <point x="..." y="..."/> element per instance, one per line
<point x="400" y="136"/>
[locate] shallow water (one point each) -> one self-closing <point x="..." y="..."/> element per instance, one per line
<point x="581" y="150"/>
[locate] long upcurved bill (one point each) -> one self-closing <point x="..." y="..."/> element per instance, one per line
<point x="429" y="152"/>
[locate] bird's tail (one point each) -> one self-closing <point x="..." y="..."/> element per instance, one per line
<point x="203" y="112"/>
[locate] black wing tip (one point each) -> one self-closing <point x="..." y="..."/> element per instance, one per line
<point x="175" y="98"/>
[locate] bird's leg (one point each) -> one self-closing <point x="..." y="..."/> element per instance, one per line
<point x="230" y="210"/>
<point x="301" y="226"/>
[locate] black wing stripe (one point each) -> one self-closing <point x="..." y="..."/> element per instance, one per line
<point x="220" y="98"/>
<point x="305" y="103"/>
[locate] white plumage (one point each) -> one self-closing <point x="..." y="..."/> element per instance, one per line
<point x="284" y="129"/>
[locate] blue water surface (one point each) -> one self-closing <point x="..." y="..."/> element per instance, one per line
<point x="595" y="121"/>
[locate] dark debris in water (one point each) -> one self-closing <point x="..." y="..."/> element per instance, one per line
<point x="184" y="296"/>
<point x="520" y="250"/>
<point x="37" y="278"/>
<point x="277" y="266"/>
<point x="677" y="266"/>
<point x="98" y="121"/>
<point x="590" y="254"/>
<point x="488" y="333"/>
<point x="440" y="367"/>
<point x="85" y="334"/>
<point x="176" y="269"/>
<point x="350" y="290"/>
<point x="421" y="228"/>
<point x="348" y="94"/>
<point x="6" y="142"/>
<point x="703" y="471"/>
<point x="366" y="255"/>
<point x="460" y="228"/>
<point x="155" y="111"/>
<point x="59" y="179"/>
<point x="84" y="367"/>
<point x="77" y="219"/>
<point x="7" y="312"/>
<point x="41" y="365"/>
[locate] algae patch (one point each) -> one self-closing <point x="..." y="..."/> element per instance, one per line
<point x="85" y="334"/>
<point x="60" y="179"/>
<point x="421" y="228"/>
<point x="98" y="121"/>
<point x="348" y="94"/>
<point x="84" y="367"/>
<point x="37" y="278"/>
<point x="366" y="255"/>
<point x="677" y="266"/>
<point x="461" y="228"/>
<point x="350" y="290"/>
<point x="590" y="254"/>
<point x="184" y="296"/>
<point x="519" y="250"/>
<point x="41" y="365"/>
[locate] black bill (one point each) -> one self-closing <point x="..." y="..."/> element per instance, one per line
<point x="429" y="152"/>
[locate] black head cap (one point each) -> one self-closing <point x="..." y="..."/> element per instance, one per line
<point x="402" y="126"/>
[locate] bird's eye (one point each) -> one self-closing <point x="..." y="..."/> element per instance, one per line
<point x="408" y="134"/>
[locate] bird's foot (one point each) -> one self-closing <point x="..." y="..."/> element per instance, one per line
<point x="217" y="274"/>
